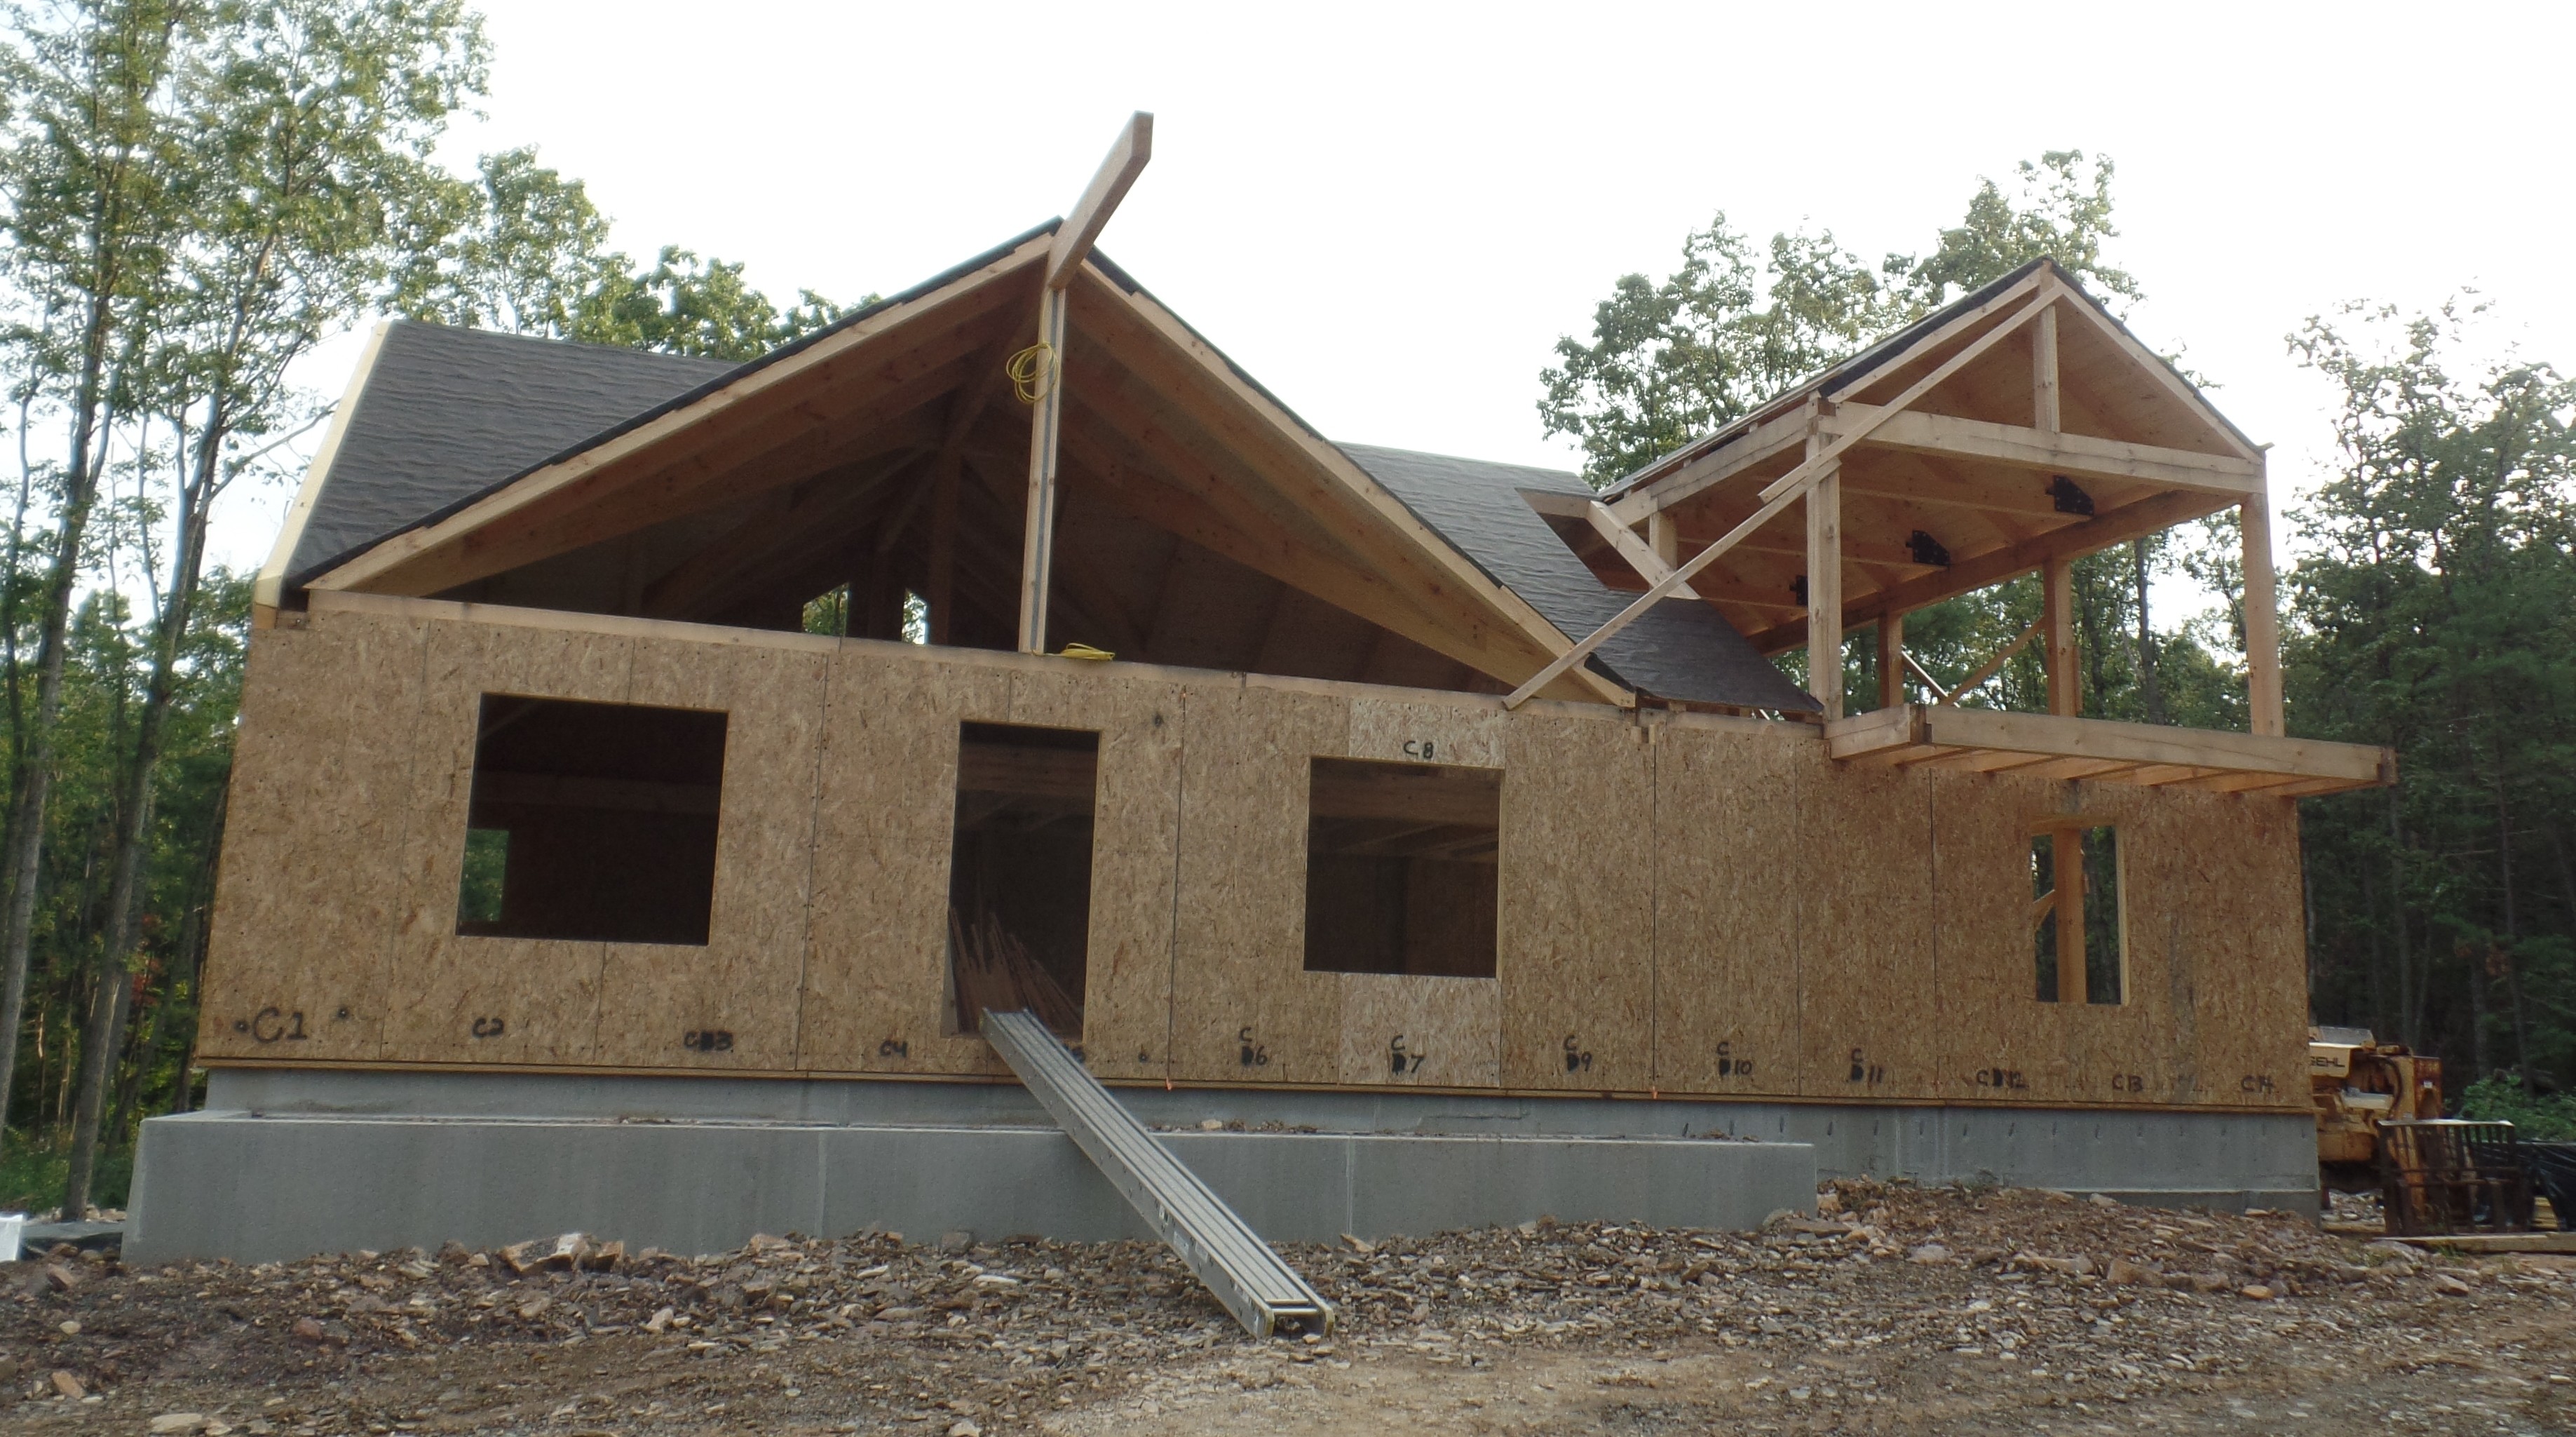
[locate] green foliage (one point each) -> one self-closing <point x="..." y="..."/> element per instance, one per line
<point x="2437" y="611"/>
<point x="31" y="1175"/>
<point x="1672" y="361"/>
<point x="2500" y="1098"/>
<point x="522" y="248"/>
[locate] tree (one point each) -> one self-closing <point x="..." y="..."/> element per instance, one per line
<point x="2436" y="610"/>
<point x="523" y="249"/>
<point x="1670" y="362"/>
<point x="307" y="127"/>
<point x="87" y="167"/>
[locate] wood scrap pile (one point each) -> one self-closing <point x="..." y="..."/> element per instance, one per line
<point x="994" y="970"/>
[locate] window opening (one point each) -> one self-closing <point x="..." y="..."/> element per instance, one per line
<point x="1400" y="868"/>
<point x="591" y="821"/>
<point x="1019" y="874"/>
<point x="2081" y="933"/>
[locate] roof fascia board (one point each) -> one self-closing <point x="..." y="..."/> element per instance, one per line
<point x="1372" y="496"/>
<point x="269" y="588"/>
<point x="389" y="555"/>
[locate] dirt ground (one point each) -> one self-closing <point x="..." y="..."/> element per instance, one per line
<point x="1899" y="1310"/>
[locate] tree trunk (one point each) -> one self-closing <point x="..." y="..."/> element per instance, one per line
<point x="2505" y="953"/>
<point x="2152" y="690"/>
<point x="104" y="1035"/>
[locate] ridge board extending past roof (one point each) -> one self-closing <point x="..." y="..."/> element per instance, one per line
<point x="1845" y="375"/>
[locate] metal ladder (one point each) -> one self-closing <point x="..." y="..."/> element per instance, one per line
<point x="1264" y="1293"/>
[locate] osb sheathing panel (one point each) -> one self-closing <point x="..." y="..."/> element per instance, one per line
<point x="1126" y="1011"/>
<point x="1863" y="875"/>
<point x="876" y="973"/>
<point x="306" y="898"/>
<point x="1726" y="909"/>
<point x="1577" y="953"/>
<point x="483" y="999"/>
<point x="1396" y="731"/>
<point x="1244" y="1008"/>
<point x="732" y="1003"/>
<point x="1399" y="1031"/>
<point x="2229" y="939"/>
<point x="1998" y="1041"/>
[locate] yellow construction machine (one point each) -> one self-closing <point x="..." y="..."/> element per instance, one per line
<point x="2358" y="1083"/>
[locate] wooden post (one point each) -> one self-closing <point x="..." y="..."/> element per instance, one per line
<point x="942" y="583"/>
<point x="2262" y="621"/>
<point x="1891" y="660"/>
<point x="1825" y="585"/>
<point x="2043" y="371"/>
<point x="1073" y="240"/>
<point x="2066" y="867"/>
<point x="1665" y="538"/>
<point x="2057" y="628"/>
<point x="1037" y="549"/>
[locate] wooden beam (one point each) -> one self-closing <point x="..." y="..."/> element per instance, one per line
<point x="1855" y="433"/>
<point x="1664" y="537"/>
<point x="2043" y="373"/>
<point x="1825" y="586"/>
<point x="1641" y="556"/>
<point x="1037" y="554"/>
<point x="2057" y="617"/>
<point x="1783" y="433"/>
<point x="2073" y="541"/>
<point x="1891" y="660"/>
<point x="1920" y="672"/>
<point x="965" y="407"/>
<point x="2040" y="737"/>
<point x="1990" y="667"/>
<point x="2078" y="456"/>
<point x="1081" y="228"/>
<point x="2262" y="620"/>
<point x="1655" y="593"/>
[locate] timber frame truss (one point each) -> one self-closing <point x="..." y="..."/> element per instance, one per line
<point x="2013" y="433"/>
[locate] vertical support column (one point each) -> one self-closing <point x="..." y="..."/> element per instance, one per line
<point x="1665" y="538"/>
<point x="2057" y="632"/>
<point x="2262" y="620"/>
<point x="2043" y="371"/>
<point x="942" y="583"/>
<point x="1891" y="660"/>
<point x="1037" y="550"/>
<point x="1825" y="584"/>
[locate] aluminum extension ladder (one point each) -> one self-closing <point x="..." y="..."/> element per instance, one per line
<point x="1264" y="1293"/>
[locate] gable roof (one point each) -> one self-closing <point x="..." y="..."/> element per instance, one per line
<point x="444" y="414"/>
<point x="1843" y="379"/>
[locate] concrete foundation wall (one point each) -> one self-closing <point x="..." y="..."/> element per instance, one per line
<point x="288" y="1162"/>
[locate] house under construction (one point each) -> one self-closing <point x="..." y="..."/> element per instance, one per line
<point x="1348" y="790"/>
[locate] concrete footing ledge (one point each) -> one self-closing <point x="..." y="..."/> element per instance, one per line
<point x="286" y="1163"/>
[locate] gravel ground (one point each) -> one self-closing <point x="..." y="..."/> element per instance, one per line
<point x="1896" y="1309"/>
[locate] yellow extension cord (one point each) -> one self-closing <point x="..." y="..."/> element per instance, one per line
<point x="1030" y="370"/>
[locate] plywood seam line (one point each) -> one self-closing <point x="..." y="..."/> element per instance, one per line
<point x="831" y="667"/>
<point x="411" y="789"/>
<point x="1180" y="817"/>
<point x="1777" y="495"/>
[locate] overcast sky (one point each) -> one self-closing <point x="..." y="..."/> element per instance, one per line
<point x="1389" y="213"/>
